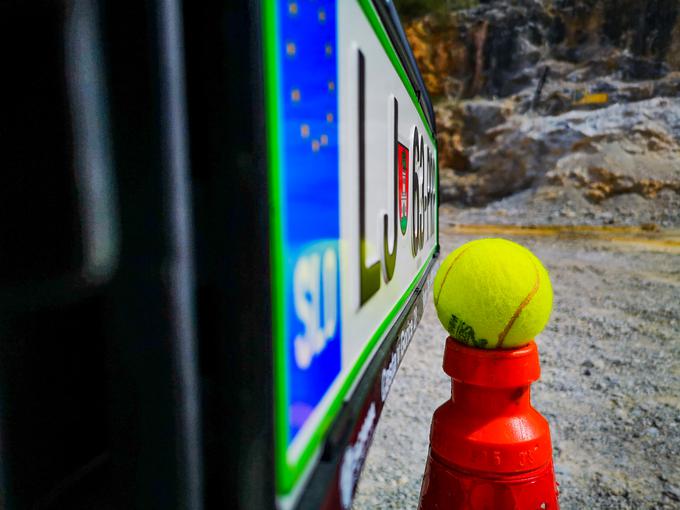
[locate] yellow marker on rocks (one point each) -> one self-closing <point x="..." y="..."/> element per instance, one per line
<point x="493" y="294"/>
<point x="588" y="99"/>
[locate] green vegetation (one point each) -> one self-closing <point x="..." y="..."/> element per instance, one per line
<point x="409" y="9"/>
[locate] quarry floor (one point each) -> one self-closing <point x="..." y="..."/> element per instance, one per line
<point x="610" y="384"/>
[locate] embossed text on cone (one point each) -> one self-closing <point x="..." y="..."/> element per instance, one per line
<point x="489" y="448"/>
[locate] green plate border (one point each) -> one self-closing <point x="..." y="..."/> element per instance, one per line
<point x="287" y="475"/>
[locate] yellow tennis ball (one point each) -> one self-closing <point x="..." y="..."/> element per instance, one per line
<point x="493" y="293"/>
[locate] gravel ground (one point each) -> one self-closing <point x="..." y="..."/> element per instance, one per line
<point x="610" y="384"/>
<point x="566" y="206"/>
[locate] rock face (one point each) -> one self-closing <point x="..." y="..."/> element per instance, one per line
<point x="490" y="49"/>
<point x="606" y="122"/>
<point x="622" y="148"/>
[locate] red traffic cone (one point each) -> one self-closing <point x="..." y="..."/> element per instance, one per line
<point x="489" y="448"/>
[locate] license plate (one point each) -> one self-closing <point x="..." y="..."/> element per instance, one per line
<point x="353" y="177"/>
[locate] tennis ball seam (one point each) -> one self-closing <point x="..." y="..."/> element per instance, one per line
<point x="446" y="275"/>
<point x="522" y="306"/>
